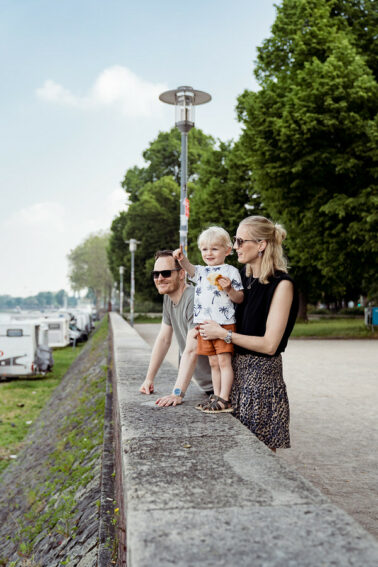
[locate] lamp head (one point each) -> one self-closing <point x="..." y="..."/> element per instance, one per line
<point x="185" y="99"/>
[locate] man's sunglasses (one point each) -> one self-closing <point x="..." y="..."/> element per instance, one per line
<point x="240" y="241"/>
<point x="164" y="273"/>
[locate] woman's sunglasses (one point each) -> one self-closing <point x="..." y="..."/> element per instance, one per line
<point x="164" y="273"/>
<point x="240" y="241"/>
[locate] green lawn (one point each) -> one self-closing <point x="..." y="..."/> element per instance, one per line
<point x="21" y="401"/>
<point x="145" y="319"/>
<point x="334" y="328"/>
<point x="323" y="328"/>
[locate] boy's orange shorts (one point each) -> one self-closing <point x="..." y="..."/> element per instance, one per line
<point x="216" y="346"/>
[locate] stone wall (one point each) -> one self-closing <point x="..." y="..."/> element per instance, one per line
<point x="201" y="490"/>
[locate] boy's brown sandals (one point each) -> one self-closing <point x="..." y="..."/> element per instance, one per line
<point x="216" y="407"/>
<point x="208" y="402"/>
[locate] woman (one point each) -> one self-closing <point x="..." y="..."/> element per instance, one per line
<point x="264" y="322"/>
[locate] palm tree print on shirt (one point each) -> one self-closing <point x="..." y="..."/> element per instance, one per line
<point x="235" y="284"/>
<point x="225" y="311"/>
<point x="197" y="309"/>
<point x="207" y="312"/>
<point x="216" y="293"/>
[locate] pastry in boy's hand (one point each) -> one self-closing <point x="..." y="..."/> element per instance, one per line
<point x="213" y="279"/>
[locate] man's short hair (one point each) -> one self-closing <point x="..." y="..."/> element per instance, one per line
<point x="167" y="253"/>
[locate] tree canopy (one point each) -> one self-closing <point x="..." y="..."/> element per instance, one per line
<point x="163" y="159"/>
<point x="311" y="136"/>
<point x="42" y="300"/>
<point x="88" y="266"/>
<point x="153" y="214"/>
<point x="307" y="157"/>
<point x="222" y="193"/>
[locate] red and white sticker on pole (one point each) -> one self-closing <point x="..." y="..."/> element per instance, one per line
<point x="187" y="207"/>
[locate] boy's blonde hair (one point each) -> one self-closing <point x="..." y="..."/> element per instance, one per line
<point x="214" y="235"/>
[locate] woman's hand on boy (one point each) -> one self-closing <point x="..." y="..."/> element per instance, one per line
<point x="210" y="330"/>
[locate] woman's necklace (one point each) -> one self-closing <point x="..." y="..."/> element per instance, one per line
<point x="251" y="282"/>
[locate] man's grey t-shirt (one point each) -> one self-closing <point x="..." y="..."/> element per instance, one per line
<point x="180" y="318"/>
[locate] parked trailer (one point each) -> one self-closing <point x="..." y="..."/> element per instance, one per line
<point x="58" y="330"/>
<point x="57" y="325"/>
<point x="21" y="354"/>
<point x="83" y="322"/>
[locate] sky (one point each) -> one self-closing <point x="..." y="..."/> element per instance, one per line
<point x="79" y="105"/>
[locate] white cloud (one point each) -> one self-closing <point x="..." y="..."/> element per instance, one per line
<point x="53" y="92"/>
<point x="40" y="236"/>
<point x="40" y="217"/>
<point x="115" y="86"/>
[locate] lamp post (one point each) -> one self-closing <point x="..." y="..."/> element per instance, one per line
<point x="184" y="99"/>
<point x="121" y="272"/>
<point x="132" y="247"/>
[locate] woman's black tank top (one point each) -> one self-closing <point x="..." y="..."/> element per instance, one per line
<point x="252" y="314"/>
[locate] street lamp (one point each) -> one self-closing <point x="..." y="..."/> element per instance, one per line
<point x="184" y="99"/>
<point x="132" y="247"/>
<point x="121" y="272"/>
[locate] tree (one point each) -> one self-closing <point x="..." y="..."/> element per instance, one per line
<point x="153" y="213"/>
<point x="222" y="194"/>
<point x="163" y="159"/>
<point x="116" y="249"/>
<point x="311" y="137"/>
<point x="153" y="221"/>
<point x="59" y="297"/>
<point x="88" y="266"/>
<point x="45" y="299"/>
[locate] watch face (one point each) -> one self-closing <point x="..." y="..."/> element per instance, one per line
<point x="177" y="392"/>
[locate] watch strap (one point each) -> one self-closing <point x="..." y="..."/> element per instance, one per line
<point x="178" y="392"/>
<point x="228" y="338"/>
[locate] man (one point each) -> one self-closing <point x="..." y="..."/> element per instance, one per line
<point x="170" y="281"/>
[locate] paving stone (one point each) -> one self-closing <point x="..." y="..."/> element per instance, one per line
<point x="287" y="536"/>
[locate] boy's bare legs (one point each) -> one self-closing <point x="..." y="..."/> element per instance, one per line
<point x="215" y="374"/>
<point x="226" y="375"/>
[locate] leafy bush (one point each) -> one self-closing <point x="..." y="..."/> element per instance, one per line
<point x="352" y="311"/>
<point x="313" y="310"/>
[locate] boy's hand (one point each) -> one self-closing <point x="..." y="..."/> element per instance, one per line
<point x="225" y="283"/>
<point x="178" y="254"/>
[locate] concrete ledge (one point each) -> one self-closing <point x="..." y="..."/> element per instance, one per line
<point x="202" y="490"/>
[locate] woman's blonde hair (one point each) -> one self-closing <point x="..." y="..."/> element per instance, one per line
<point x="215" y="235"/>
<point x="261" y="228"/>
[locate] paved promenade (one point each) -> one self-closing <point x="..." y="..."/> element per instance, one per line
<point x="333" y="392"/>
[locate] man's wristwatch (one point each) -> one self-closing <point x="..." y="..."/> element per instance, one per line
<point x="178" y="392"/>
<point x="228" y="338"/>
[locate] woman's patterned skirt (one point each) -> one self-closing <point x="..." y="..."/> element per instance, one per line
<point x="260" y="399"/>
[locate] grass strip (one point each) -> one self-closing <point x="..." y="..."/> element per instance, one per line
<point x="334" y="328"/>
<point x="21" y="401"/>
<point x="53" y="503"/>
<point x="341" y="328"/>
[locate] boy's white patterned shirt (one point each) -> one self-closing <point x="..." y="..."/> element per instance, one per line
<point x="209" y="302"/>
